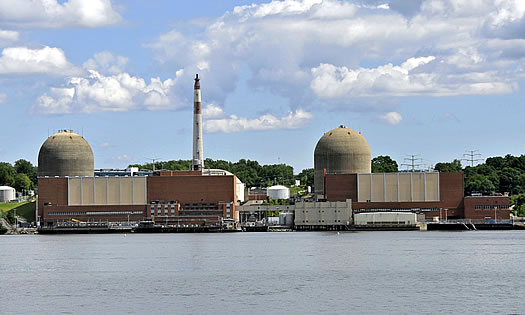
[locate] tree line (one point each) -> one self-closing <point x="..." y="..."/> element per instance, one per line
<point x="249" y="172"/>
<point x="21" y="176"/>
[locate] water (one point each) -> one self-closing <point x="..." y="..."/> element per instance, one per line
<point x="302" y="272"/>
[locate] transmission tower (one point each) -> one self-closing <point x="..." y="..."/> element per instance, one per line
<point x="413" y="158"/>
<point x="153" y="162"/>
<point x="471" y="156"/>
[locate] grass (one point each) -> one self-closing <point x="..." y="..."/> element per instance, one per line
<point x="24" y="209"/>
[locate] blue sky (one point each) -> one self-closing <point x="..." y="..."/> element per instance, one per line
<point x="427" y="77"/>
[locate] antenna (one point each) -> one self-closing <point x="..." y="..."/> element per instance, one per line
<point x="471" y="156"/>
<point x="153" y="162"/>
<point x="412" y="159"/>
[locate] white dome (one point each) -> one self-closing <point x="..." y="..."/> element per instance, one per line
<point x="278" y="192"/>
<point x="7" y="193"/>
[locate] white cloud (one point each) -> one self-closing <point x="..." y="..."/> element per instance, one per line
<point x="105" y="145"/>
<point x="106" y="62"/>
<point x="47" y="60"/>
<point x="392" y="118"/>
<point x="409" y="79"/>
<point x="51" y="13"/>
<point x="3" y="98"/>
<point x="115" y="93"/>
<point x="122" y="158"/>
<point x="365" y="51"/>
<point x="266" y="122"/>
<point x="212" y="111"/>
<point x="9" y="35"/>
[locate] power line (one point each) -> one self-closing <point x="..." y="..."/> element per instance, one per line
<point x="412" y="159"/>
<point x="471" y="156"/>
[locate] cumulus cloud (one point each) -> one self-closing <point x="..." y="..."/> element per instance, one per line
<point x="212" y="111"/>
<point x="335" y="51"/>
<point x="408" y="79"/>
<point x="114" y="93"/>
<point x="9" y="35"/>
<point x="51" y="13"/>
<point x="106" y="62"/>
<point x="392" y="118"/>
<point x="46" y="60"/>
<point x="292" y="120"/>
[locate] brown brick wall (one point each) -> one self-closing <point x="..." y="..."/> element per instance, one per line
<point x="76" y="212"/>
<point x="51" y="190"/>
<point x="488" y="202"/>
<point x="340" y="187"/>
<point x="192" y="189"/>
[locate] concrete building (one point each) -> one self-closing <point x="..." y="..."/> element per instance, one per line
<point x="339" y="151"/>
<point x="321" y="215"/>
<point x="65" y="154"/>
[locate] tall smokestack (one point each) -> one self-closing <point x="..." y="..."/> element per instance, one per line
<point x="198" y="155"/>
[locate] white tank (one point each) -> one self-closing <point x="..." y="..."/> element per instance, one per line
<point x="278" y="192"/>
<point x="7" y="193"/>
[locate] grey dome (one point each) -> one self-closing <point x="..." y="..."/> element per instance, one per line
<point x="65" y="154"/>
<point x="341" y="150"/>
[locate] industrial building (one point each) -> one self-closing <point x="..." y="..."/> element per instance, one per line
<point x="346" y="192"/>
<point x="70" y="189"/>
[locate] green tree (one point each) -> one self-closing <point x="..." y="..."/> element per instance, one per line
<point x="25" y="167"/>
<point x="21" y="182"/>
<point x="478" y="183"/>
<point x="519" y="204"/>
<point x="306" y="177"/>
<point x="449" y="167"/>
<point x="384" y="164"/>
<point x="7" y="174"/>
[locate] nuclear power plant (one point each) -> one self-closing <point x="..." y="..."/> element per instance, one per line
<point x="346" y="195"/>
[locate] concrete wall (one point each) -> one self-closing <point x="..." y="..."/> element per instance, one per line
<point x="385" y="218"/>
<point x="323" y="213"/>
<point x="398" y="187"/>
<point x="87" y="191"/>
<point x="344" y="186"/>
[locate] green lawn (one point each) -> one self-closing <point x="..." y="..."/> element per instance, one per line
<point x="24" y="209"/>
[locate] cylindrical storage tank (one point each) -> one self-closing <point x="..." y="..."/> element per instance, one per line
<point x="7" y="193"/>
<point x="65" y="154"/>
<point x="278" y="192"/>
<point x="286" y="218"/>
<point x="341" y="150"/>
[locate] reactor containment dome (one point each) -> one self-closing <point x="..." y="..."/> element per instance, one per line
<point x="65" y="154"/>
<point x="341" y="150"/>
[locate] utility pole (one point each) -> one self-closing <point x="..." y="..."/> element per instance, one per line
<point x="471" y="156"/>
<point x="153" y="162"/>
<point x="413" y="158"/>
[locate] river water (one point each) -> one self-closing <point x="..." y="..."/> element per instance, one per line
<point x="301" y="272"/>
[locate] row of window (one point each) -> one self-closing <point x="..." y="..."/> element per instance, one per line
<point x="484" y="207"/>
<point x="397" y="210"/>
<point x="95" y="213"/>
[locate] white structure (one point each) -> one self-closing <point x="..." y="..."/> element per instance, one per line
<point x="278" y="192"/>
<point x="7" y="193"/>
<point x="387" y="218"/>
<point x="198" y="155"/>
<point x="323" y="213"/>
